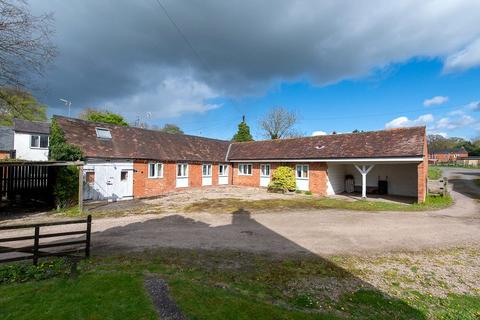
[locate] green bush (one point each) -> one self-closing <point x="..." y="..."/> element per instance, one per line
<point x="22" y="272"/>
<point x="283" y="180"/>
<point x="66" y="187"/>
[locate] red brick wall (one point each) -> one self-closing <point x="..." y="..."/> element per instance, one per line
<point x="4" y="154"/>
<point x="143" y="186"/>
<point x="318" y="178"/>
<point x="423" y="174"/>
<point x="249" y="181"/>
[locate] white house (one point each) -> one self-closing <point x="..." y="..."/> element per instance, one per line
<point x="31" y="140"/>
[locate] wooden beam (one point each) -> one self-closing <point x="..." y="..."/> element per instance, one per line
<point x="80" y="188"/>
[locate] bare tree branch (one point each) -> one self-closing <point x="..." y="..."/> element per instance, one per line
<point x="25" y="43"/>
<point x="279" y="123"/>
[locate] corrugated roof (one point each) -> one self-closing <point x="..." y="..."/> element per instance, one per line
<point x="137" y="143"/>
<point x="6" y="138"/>
<point x="41" y="127"/>
<point x="403" y="142"/>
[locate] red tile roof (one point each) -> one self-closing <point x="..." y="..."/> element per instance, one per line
<point x="403" y="142"/>
<point x="137" y="143"/>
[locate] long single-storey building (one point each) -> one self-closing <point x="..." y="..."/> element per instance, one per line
<point x="128" y="162"/>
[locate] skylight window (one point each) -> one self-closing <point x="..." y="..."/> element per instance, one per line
<point x="103" y="133"/>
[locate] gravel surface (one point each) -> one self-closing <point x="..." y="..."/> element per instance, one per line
<point x="167" y="308"/>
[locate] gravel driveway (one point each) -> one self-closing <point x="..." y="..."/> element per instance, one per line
<point x="319" y="232"/>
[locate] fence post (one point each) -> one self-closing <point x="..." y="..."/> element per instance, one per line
<point x="89" y="231"/>
<point x="36" y="241"/>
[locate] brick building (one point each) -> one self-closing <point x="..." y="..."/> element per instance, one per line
<point x="127" y="162"/>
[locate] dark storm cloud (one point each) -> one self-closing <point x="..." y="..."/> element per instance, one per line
<point x="126" y="55"/>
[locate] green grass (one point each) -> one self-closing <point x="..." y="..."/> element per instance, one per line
<point x="434" y="173"/>
<point x="223" y="285"/>
<point x="233" y="205"/>
<point x="477" y="182"/>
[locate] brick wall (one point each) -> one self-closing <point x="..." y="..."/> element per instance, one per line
<point x="317" y="176"/>
<point x="4" y="154"/>
<point x="143" y="186"/>
<point x="422" y="174"/>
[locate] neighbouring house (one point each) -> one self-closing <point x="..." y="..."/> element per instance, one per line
<point x="31" y="139"/>
<point x="6" y="143"/>
<point x="447" y="155"/>
<point x="473" y="161"/>
<point x="127" y="162"/>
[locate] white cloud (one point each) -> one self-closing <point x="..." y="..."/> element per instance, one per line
<point x="451" y="124"/>
<point x="319" y="133"/>
<point x="474" y="105"/>
<point x="437" y="100"/>
<point x="464" y="59"/>
<point x="402" y="122"/>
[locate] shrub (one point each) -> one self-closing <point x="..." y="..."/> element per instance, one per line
<point x="283" y="180"/>
<point x="65" y="189"/>
<point x="22" y="272"/>
<point x="308" y="193"/>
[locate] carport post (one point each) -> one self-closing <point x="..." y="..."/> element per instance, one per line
<point x="364" y="171"/>
<point x="80" y="188"/>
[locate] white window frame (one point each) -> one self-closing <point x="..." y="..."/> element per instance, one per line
<point x="39" y="136"/>
<point x="265" y="165"/>
<point x="185" y="173"/>
<point x="302" y="166"/>
<point x="158" y="170"/>
<point x="98" y="129"/>
<point x="241" y="170"/>
<point x="209" y="173"/>
<point x="225" y="171"/>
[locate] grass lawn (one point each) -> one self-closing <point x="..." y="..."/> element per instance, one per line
<point x="235" y="285"/>
<point x="477" y="182"/>
<point x="434" y="173"/>
<point x="232" y="205"/>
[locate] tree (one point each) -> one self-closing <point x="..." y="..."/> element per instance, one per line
<point x="17" y="103"/>
<point x="279" y="123"/>
<point x="171" y="128"/>
<point x="90" y="114"/>
<point x="25" y="42"/>
<point x="243" y="133"/>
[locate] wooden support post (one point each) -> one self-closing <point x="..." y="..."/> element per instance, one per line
<point x="36" y="243"/>
<point x="88" y="236"/>
<point x="364" y="171"/>
<point x="80" y="189"/>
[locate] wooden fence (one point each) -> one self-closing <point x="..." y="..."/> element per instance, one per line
<point x="25" y="179"/>
<point x="35" y="251"/>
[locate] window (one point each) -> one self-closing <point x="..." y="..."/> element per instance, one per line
<point x="245" y="169"/>
<point x="123" y="176"/>
<point x="155" y="170"/>
<point x="223" y="170"/>
<point x="302" y="171"/>
<point x="265" y="170"/>
<point x="207" y="170"/>
<point x="103" y="133"/>
<point x="39" y="141"/>
<point x="90" y="177"/>
<point x="182" y="170"/>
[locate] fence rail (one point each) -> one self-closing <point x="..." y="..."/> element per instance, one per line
<point x="35" y="251"/>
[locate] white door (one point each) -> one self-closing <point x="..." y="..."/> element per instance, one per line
<point x="264" y="175"/>
<point x="301" y="173"/>
<point x="206" y="174"/>
<point x="223" y="174"/>
<point x="108" y="181"/>
<point x="182" y="175"/>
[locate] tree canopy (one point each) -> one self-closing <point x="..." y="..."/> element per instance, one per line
<point x="243" y="133"/>
<point x="20" y="104"/>
<point x="438" y="142"/>
<point x="171" y="128"/>
<point x="102" y="117"/>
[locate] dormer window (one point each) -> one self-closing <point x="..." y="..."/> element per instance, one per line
<point x="103" y="133"/>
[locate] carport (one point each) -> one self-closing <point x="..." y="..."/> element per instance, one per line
<point x="29" y="185"/>
<point x="394" y="176"/>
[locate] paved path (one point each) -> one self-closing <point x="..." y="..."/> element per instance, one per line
<point x="320" y="232"/>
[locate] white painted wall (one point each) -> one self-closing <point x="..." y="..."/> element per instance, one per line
<point x="402" y="178"/>
<point x="21" y="144"/>
<point x="335" y="178"/>
<point x="108" y="184"/>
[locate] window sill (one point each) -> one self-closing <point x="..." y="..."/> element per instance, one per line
<point x="38" y="148"/>
<point x="155" y="177"/>
<point x="302" y="178"/>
